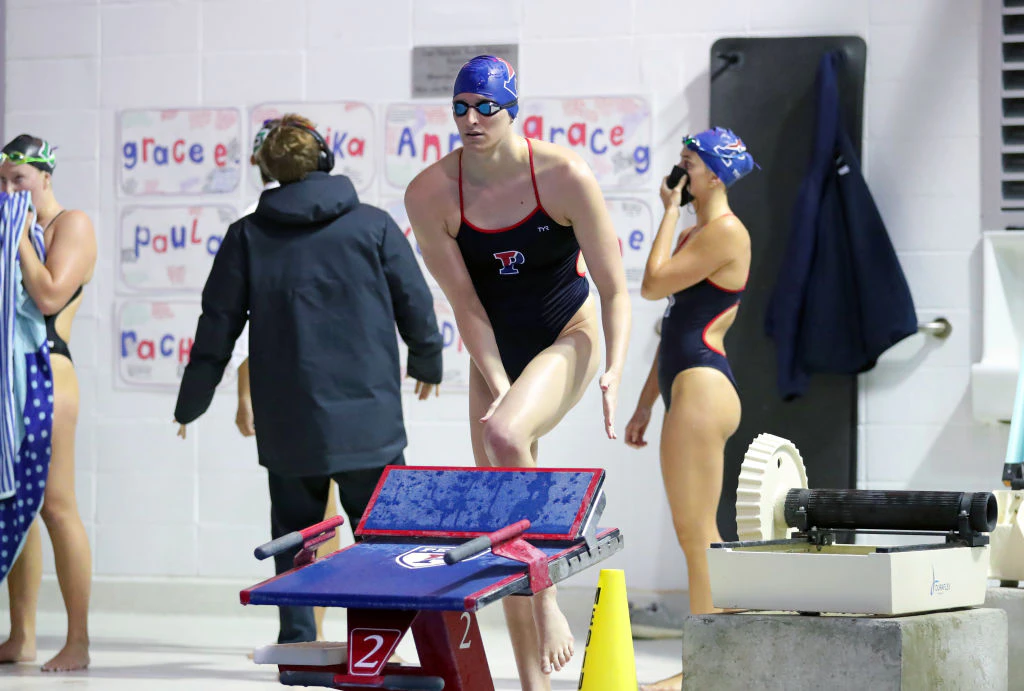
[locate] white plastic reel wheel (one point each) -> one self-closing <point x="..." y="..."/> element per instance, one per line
<point x="1006" y="561"/>
<point x="771" y="467"/>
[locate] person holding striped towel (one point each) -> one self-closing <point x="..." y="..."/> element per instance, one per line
<point x="53" y="271"/>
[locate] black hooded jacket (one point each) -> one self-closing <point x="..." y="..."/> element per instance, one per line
<point x="323" y="279"/>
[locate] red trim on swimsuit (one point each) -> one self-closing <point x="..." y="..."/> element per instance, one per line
<point x="536" y="195"/>
<point x="704" y="333"/>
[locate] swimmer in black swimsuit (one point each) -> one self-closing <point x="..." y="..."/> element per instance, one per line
<point x="703" y="278"/>
<point x="27" y="163"/>
<point x="503" y="224"/>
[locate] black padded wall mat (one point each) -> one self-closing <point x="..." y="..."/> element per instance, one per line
<point x="763" y="89"/>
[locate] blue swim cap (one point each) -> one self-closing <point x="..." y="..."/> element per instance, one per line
<point x="723" y="152"/>
<point x="492" y="77"/>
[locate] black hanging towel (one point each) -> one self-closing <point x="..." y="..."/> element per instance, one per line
<point x="841" y="298"/>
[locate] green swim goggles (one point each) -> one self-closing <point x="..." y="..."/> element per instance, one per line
<point x="19" y="157"/>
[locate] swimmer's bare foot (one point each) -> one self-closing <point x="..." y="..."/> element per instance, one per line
<point x="557" y="644"/>
<point x="671" y="684"/>
<point x="71" y="657"/>
<point x="17" y="650"/>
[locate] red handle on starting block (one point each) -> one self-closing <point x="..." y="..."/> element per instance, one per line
<point x="479" y="544"/>
<point x="297" y="538"/>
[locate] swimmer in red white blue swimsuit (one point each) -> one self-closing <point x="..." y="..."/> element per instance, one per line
<point x="504" y="225"/>
<point x="704" y="279"/>
<point x="527" y="303"/>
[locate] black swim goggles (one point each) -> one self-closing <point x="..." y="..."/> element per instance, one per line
<point x="485" y="108"/>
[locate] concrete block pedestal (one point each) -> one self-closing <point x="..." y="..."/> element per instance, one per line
<point x="1011" y="601"/>
<point x="961" y="649"/>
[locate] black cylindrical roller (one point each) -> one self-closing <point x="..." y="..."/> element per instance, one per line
<point x="285" y="542"/>
<point x="467" y="550"/>
<point x="408" y="683"/>
<point x="298" y="678"/>
<point x="984" y="512"/>
<point x="852" y="509"/>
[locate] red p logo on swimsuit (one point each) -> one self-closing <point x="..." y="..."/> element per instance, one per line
<point x="508" y="260"/>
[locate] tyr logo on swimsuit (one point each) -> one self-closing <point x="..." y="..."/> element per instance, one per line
<point x="509" y="259"/>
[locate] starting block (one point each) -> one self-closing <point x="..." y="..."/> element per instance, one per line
<point x="436" y="545"/>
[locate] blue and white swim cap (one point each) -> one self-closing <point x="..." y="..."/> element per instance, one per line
<point x="723" y="153"/>
<point x="491" y="77"/>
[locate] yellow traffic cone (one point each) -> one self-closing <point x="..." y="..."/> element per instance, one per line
<point x="608" y="661"/>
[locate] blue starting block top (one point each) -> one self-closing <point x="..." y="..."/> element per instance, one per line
<point x="417" y="514"/>
<point x="429" y="502"/>
<point x="413" y="575"/>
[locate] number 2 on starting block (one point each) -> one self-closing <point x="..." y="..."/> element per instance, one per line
<point x="370" y="649"/>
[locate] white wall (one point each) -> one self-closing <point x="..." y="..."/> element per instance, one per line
<point x="156" y="506"/>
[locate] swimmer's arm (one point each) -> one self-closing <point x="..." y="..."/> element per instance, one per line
<point x="225" y="310"/>
<point x="444" y="261"/>
<point x="585" y="208"/>
<point x="706" y="253"/>
<point x="69" y="260"/>
<point x="649" y="394"/>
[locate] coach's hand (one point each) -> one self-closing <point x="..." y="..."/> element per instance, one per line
<point x="244" y="419"/>
<point x="423" y="390"/>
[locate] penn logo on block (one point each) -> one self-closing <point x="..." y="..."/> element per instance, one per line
<point x="428" y="556"/>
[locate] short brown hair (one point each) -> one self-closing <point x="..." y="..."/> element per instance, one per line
<point x="290" y="153"/>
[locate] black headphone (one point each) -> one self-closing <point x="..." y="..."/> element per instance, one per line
<point x="325" y="161"/>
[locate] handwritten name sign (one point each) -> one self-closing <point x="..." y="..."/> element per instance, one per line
<point x="153" y="342"/>
<point x="170" y="247"/>
<point x="454" y="354"/>
<point x="634" y="224"/>
<point x="185" y="151"/>
<point x="347" y="127"/>
<point x="612" y="134"/>
<point x="416" y="135"/>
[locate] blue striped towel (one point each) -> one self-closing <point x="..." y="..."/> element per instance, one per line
<point x="26" y="387"/>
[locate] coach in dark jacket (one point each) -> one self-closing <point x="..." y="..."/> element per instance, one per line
<point x="323" y="280"/>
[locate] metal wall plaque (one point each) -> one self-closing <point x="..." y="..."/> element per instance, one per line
<point x="434" y="67"/>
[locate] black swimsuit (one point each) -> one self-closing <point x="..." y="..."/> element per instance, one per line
<point x="57" y="345"/>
